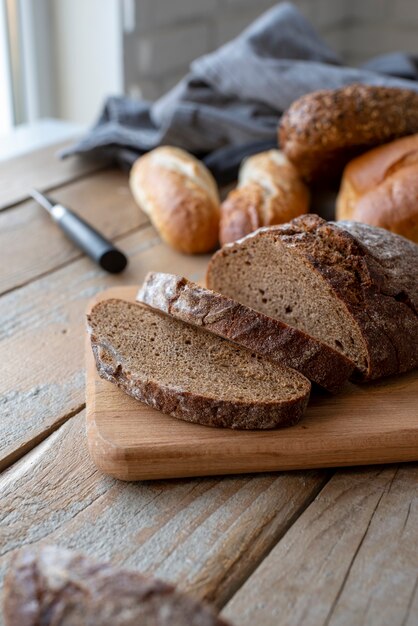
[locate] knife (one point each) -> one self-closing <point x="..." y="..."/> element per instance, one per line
<point x="87" y="238"/>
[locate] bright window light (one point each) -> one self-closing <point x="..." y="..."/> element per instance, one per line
<point x="6" y="113"/>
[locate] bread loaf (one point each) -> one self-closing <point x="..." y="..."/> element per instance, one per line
<point x="380" y="188"/>
<point x="51" y="586"/>
<point x="322" y="131"/>
<point x="227" y="318"/>
<point x="350" y="285"/>
<point x="270" y="191"/>
<point x="191" y="374"/>
<point x="180" y="196"/>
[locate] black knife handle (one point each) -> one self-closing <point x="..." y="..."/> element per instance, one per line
<point x="89" y="240"/>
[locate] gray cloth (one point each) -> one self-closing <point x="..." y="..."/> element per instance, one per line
<point x="236" y="94"/>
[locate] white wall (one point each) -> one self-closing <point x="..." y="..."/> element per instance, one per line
<point x="87" y="56"/>
<point x="169" y="33"/>
<point x="144" y="47"/>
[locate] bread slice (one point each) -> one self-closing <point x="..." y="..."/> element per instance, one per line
<point x="350" y="285"/>
<point x="50" y="585"/>
<point x="191" y="374"/>
<point x="266" y="336"/>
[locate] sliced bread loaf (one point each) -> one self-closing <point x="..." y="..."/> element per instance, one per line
<point x="186" y="372"/>
<point x="266" y="336"/>
<point x="353" y="286"/>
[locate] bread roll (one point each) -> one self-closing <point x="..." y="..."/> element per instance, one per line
<point x="269" y="192"/>
<point x="381" y="188"/>
<point x="322" y="131"/>
<point x="180" y="196"/>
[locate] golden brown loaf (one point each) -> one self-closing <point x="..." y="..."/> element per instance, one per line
<point x="324" y="130"/>
<point x="270" y="191"/>
<point x="381" y="188"/>
<point x="180" y="196"/>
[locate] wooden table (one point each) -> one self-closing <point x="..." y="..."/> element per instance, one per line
<point x="309" y="547"/>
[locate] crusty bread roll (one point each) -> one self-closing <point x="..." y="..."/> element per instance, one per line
<point x="180" y="196"/>
<point x="269" y="192"/>
<point x="381" y="188"/>
<point x="322" y="131"/>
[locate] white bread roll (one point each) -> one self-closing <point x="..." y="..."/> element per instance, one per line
<point x="380" y="188"/>
<point x="180" y="196"/>
<point x="270" y="191"/>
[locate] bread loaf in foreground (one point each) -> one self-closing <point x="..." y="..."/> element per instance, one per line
<point x="322" y="131"/>
<point x="350" y="285"/>
<point x="180" y="196"/>
<point x="227" y="318"/>
<point x="51" y="586"/>
<point x="191" y="374"/>
<point x="380" y="188"/>
<point x="270" y="191"/>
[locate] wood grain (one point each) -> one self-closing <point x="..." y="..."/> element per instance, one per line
<point x="205" y="535"/>
<point x="42" y="169"/>
<point x="42" y="338"/>
<point x="351" y="558"/>
<point x="31" y="244"/>
<point x="369" y="424"/>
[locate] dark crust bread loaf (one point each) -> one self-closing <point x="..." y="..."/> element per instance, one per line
<point x="322" y="131"/>
<point x="198" y="398"/>
<point x="372" y="271"/>
<point x="227" y="318"/>
<point x="51" y="586"/>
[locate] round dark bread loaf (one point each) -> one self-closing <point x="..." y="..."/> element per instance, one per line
<point x="48" y="586"/>
<point x="268" y="337"/>
<point x="322" y="131"/>
<point x="190" y="374"/>
<point x="351" y="285"/>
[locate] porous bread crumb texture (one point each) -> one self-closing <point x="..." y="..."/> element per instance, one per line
<point x="322" y="131"/>
<point x="52" y="585"/>
<point x="191" y="374"/>
<point x="252" y="329"/>
<point x="352" y="292"/>
<point x="266" y="276"/>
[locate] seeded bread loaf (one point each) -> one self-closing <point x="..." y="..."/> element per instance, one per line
<point x="380" y="188"/>
<point x="270" y="191"/>
<point x="227" y="318"/>
<point x="180" y="196"/>
<point x="51" y="586"/>
<point x="322" y="131"/>
<point x="191" y="374"/>
<point x="351" y="285"/>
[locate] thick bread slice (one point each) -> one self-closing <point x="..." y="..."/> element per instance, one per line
<point x="227" y="318"/>
<point x="353" y="286"/>
<point x="47" y="586"/>
<point x="191" y="374"/>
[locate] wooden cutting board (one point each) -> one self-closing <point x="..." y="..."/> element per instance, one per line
<point x="375" y="423"/>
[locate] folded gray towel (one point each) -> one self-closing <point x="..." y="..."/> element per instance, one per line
<point x="235" y="95"/>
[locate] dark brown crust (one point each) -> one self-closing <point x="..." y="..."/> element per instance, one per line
<point x="324" y="130"/>
<point x="245" y="326"/>
<point x="372" y="271"/>
<point x="51" y="585"/>
<point x="192" y="407"/>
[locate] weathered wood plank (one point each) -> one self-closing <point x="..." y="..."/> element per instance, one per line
<point x="42" y="335"/>
<point x="43" y="169"/>
<point x="351" y="558"/>
<point x="206" y="535"/>
<point x="31" y="244"/>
